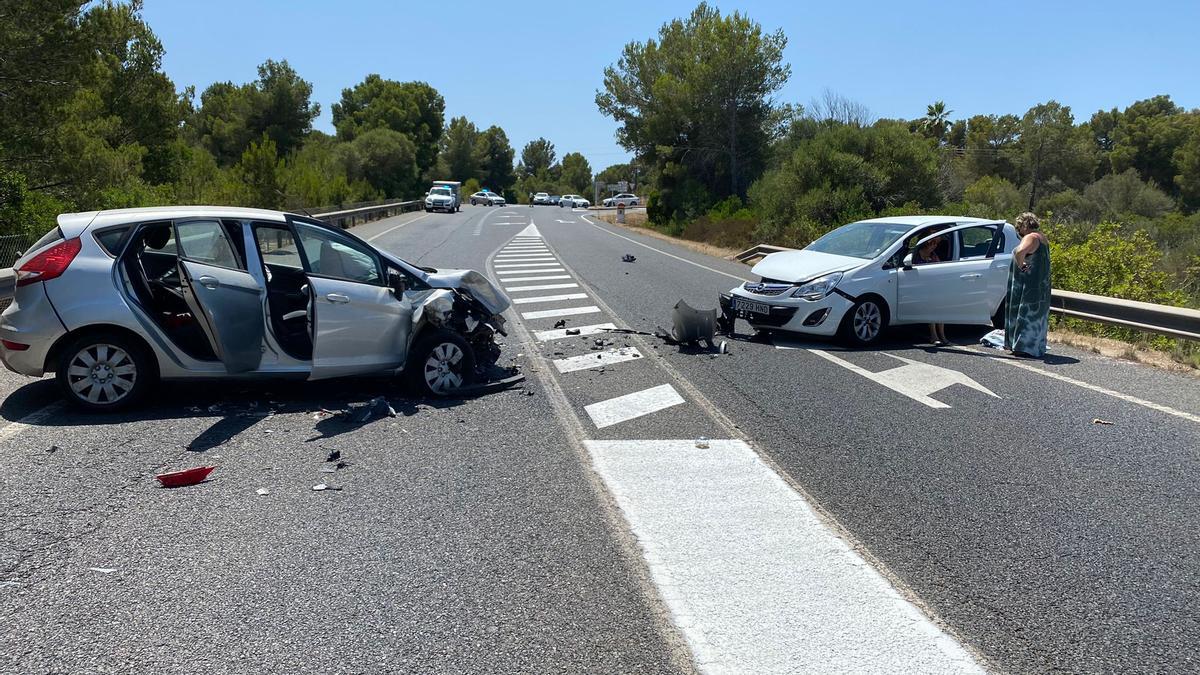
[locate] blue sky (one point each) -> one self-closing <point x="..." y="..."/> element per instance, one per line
<point x="533" y="67"/>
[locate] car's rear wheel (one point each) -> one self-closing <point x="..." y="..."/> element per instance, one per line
<point x="441" y="363"/>
<point x="105" y="371"/>
<point x="865" y="321"/>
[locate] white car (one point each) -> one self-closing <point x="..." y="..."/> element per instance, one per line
<point x="860" y="278"/>
<point x="440" y="199"/>
<point x="624" y="199"/>
<point x="487" y="199"/>
<point x="574" y="201"/>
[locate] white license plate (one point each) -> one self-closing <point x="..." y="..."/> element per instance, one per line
<point x="743" y="305"/>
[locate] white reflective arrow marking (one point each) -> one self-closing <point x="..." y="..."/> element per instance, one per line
<point x="915" y="380"/>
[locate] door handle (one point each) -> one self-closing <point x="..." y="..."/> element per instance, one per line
<point x="970" y="276"/>
<point x="209" y="282"/>
<point x="337" y="297"/>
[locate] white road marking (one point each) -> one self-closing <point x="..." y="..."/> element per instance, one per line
<point x="753" y="579"/>
<point x="566" y="222"/>
<point x="1089" y="386"/>
<point x="520" y="258"/>
<point x="545" y="278"/>
<point x="560" y="333"/>
<point x="549" y="298"/>
<point x="915" y="380"/>
<point x="32" y="419"/>
<point x="529" y="232"/>
<point x="596" y="359"/>
<point x="631" y="406"/>
<point x="537" y="271"/>
<point x="538" y="287"/>
<point x="522" y="248"/>
<point x="501" y="266"/>
<point x="565" y="311"/>
<point x="392" y="229"/>
<point x="669" y="255"/>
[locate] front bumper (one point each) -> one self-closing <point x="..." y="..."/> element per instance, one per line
<point x="813" y="317"/>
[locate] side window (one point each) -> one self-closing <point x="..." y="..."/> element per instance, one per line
<point x="277" y="246"/>
<point x="207" y="242"/>
<point x="111" y="239"/>
<point x="330" y="255"/>
<point x="974" y="242"/>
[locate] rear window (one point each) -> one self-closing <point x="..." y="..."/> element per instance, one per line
<point x="48" y="238"/>
<point x="110" y="240"/>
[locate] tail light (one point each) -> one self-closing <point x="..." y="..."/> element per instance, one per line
<point x="49" y="264"/>
<point x="14" y="346"/>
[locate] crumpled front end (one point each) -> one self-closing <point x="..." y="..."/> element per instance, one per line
<point x="465" y="302"/>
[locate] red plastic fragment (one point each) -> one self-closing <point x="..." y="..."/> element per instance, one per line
<point x="186" y="477"/>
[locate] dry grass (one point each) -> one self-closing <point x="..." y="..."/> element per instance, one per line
<point x="1116" y="349"/>
<point x="636" y="222"/>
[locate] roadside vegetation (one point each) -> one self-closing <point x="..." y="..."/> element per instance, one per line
<point x="726" y="163"/>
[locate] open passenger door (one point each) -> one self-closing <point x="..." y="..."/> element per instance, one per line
<point x="225" y="299"/>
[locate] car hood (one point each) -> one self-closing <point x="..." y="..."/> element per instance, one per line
<point x="474" y="283"/>
<point x="796" y="266"/>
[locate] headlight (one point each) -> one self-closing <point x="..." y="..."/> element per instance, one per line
<point x="818" y="288"/>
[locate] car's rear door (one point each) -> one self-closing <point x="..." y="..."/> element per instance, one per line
<point x="226" y="300"/>
<point x="360" y="325"/>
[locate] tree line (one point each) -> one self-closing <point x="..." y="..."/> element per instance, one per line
<point x="728" y="162"/>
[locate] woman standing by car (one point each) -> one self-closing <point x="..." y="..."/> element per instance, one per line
<point x="927" y="253"/>
<point x="1027" y="316"/>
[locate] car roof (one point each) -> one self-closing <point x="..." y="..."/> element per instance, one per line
<point x="76" y="222"/>
<point x="919" y="221"/>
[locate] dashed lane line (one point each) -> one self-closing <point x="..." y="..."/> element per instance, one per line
<point x="632" y="406"/>
<point x="549" y="298"/>
<point x="560" y="333"/>
<point x="538" y="287"/>
<point x="500" y="266"/>
<point x="514" y="273"/>
<point x="565" y="311"/>
<point x="597" y="359"/>
<point x="754" y="580"/>
<point x="524" y="258"/>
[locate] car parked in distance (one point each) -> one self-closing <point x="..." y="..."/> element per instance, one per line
<point x="541" y="198"/>
<point x="113" y="301"/>
<point x="486" y="198"/>
<point x="440" y="198"/>
<point x="574" y="201"/>
<point x="553" y="200"/>
<point x="624" y="199"/>
<point x="860" y="278"/>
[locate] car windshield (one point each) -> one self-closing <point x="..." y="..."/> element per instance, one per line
<point x="859" y="240"/>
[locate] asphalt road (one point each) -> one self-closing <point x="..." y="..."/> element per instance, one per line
<point x="656" y="510"/>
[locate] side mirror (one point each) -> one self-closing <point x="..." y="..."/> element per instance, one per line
<point x="396" y="283"/>
<point x="908" y="262"/>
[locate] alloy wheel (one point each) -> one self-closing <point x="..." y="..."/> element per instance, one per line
<point x="102" y="373"/>
<point x="443" y="368"/>
<point x="867" y="321"/>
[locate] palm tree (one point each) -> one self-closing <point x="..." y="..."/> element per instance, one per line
<point x="936" y="120"/>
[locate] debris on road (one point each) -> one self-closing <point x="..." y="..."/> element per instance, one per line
<point x="321" y="487"/>
<point x="994" y="339"/>
<point x="334" y="455"/>
<point x="628" y="258"/>
<point x="102" y="570"/>
<point x="1097" y="420"/>
<point x="173" y="479"/>
<point x="52" y="449"/>
<point x="702" y="442"/>
<point x="572" y="331"/>
<point x="561" y="323"/>
<point x="262" y="492"/>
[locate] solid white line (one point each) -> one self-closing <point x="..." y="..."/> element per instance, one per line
<point x="513" y="273"/>
<point x="596" y="359"/>
<point x="560" y="333"/>
<point x="631" y="406"/>
<point x="549" y="298"/>
<point x="669" y="255"/>
<point x="752" y="577"/>
<point x="34" y="418"/>
<point x="538" y="287"/>
<point x="1090" y="387"/>
<point x="545" y="278"/>
<point x="512" y="265"/>
<point x="391" y="229"/>
<point x="565" y="311"/>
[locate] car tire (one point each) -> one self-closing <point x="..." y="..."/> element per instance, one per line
<point x="437" y="354"/>
<point x="92" y="368"/>
<point x="865" y="322"/>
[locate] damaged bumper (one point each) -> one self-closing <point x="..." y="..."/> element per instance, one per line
<point x="814" y="317"/>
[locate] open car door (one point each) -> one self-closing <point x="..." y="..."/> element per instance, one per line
<point x="225" y="299"/>
<point x="956" y="291"/>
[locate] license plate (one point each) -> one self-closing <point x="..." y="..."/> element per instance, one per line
<point x="743" y="305"/>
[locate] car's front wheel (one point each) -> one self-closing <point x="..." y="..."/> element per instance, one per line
<point x="441" y="363"/>
<point x="865" y="321"/>
<point x="105" y="371"/>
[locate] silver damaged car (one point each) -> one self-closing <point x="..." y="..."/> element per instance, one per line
<point x="113" y="301"/>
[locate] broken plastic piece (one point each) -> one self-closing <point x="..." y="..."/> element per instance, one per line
<point x="628" y="258"/>
<point x="572" y="331"/>
<point x="334" y="455"/>
<point x="702" y="442"/>
<point x="262" y="492"/>
<point x="185" y="477"/>
<point x="692" y="325"/>
<point x="561" y="323"/>
<point x="102" y="570"/>
<point x="1097" y="420"/>
<point x="724" y="347"/>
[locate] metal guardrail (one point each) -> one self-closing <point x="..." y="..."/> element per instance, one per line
<point x="351" y="217"/>
<point x="1179" y="322"/>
